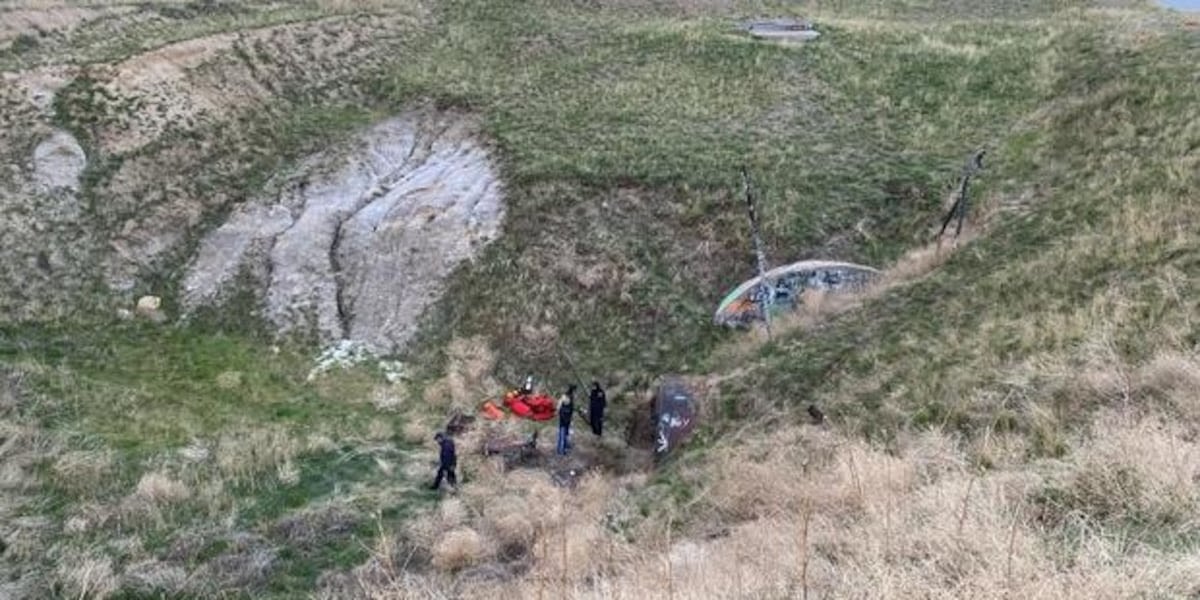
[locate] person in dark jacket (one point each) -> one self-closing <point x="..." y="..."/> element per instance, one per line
<point x="566" y="410"/>
<point x="447" y="460"/>
<point x="596" y="405"/>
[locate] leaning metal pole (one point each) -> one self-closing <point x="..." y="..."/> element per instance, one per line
<point x="960" y="207"/>
<point x="763" y="293"/>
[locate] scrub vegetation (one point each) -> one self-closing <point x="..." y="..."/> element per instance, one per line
<point x="1010" y="414"/>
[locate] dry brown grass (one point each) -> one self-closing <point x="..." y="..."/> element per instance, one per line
<point x="287" y="473"/>
<point x="159" y="488"/>
<point x="87" y="576"/>
<point x="469" y="364"/>
<point x="345" y="5"/>
<point x="389" y="397"/>
<point x="509" y="522"/>
<point x="459" y="548"/>
<point x="436" y="394"/>
<point x="155" y="578"/>
<point x="243" y="455"/>
<point x="416" y="431"/>
<point x="1145" y="468"/>
<point x="812" y="512"/>
<point x="1175" y="377"/>
<point x="83" y="470"/>
<point x="155" y="493"/>
<point x="379" y="430"/>
<point x="22" y="447"/>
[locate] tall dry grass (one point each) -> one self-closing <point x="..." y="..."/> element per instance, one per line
<point x="248" y="454"/>
<point x="87" y="576"/>
<point x="807" y="512"/>
<point x="468" y="377"/>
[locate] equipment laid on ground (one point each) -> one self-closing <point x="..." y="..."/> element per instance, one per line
<point x="459" y="423"/>
<point x="491" y="412"/>
<point x="515" y="450"/>
<point x="538" y="407"/>
<point x="510" y="444"/>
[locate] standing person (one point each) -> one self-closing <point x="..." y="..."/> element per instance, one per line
<point x="596" y="405"/>
<point x="566" y="409"/>
<point x="447" y="460"/>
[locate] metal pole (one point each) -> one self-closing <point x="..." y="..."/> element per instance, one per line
<point x="763" y="293"/>
<point x="959" y="209"/>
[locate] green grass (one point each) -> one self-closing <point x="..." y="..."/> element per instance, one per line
<point x="1044" y="282"/>
<point x="619" y="133"/>
<point x="143" y="392"/>
<point x="142" y="388"/>
<point x="618" y="130"/>
<point x="621" y="137"/>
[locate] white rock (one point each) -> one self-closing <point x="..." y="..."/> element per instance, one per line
<point x="360" y="240"/>
<point x="148" y="305"/>
<point x="58" y="163"/>
<point x="195" y="452"/>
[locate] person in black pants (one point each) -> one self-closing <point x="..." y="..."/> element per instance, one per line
<point x="596" y="404"/>
<point x="566" y="408"/>
<point x="447" y="460"/>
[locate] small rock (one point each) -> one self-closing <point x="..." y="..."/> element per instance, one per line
<point x="343" y="354"/>
<point x="394" y="371"/>
<point x="288" y="474"/>
<point x="76" y="525"/>
<point x="58" y="162"/>
<point x="229" y="380"/>
<point x="815" y="414"/>
<point x="148" y="304"/>
<point x="124" y="314"/>
<point x="195" y="452"/>
<point x="148" y="307"/>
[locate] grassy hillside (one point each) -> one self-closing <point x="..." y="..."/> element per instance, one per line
<point x="1089" y="245"/>
<point x="623" y="131"/>
<point x="1036" y="382"/>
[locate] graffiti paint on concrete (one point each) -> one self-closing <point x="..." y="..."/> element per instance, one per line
<point x="787" y="283"/>
<point x="674" y="414"/>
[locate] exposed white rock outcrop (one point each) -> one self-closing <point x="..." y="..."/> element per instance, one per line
<point x="360" y="239"/>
